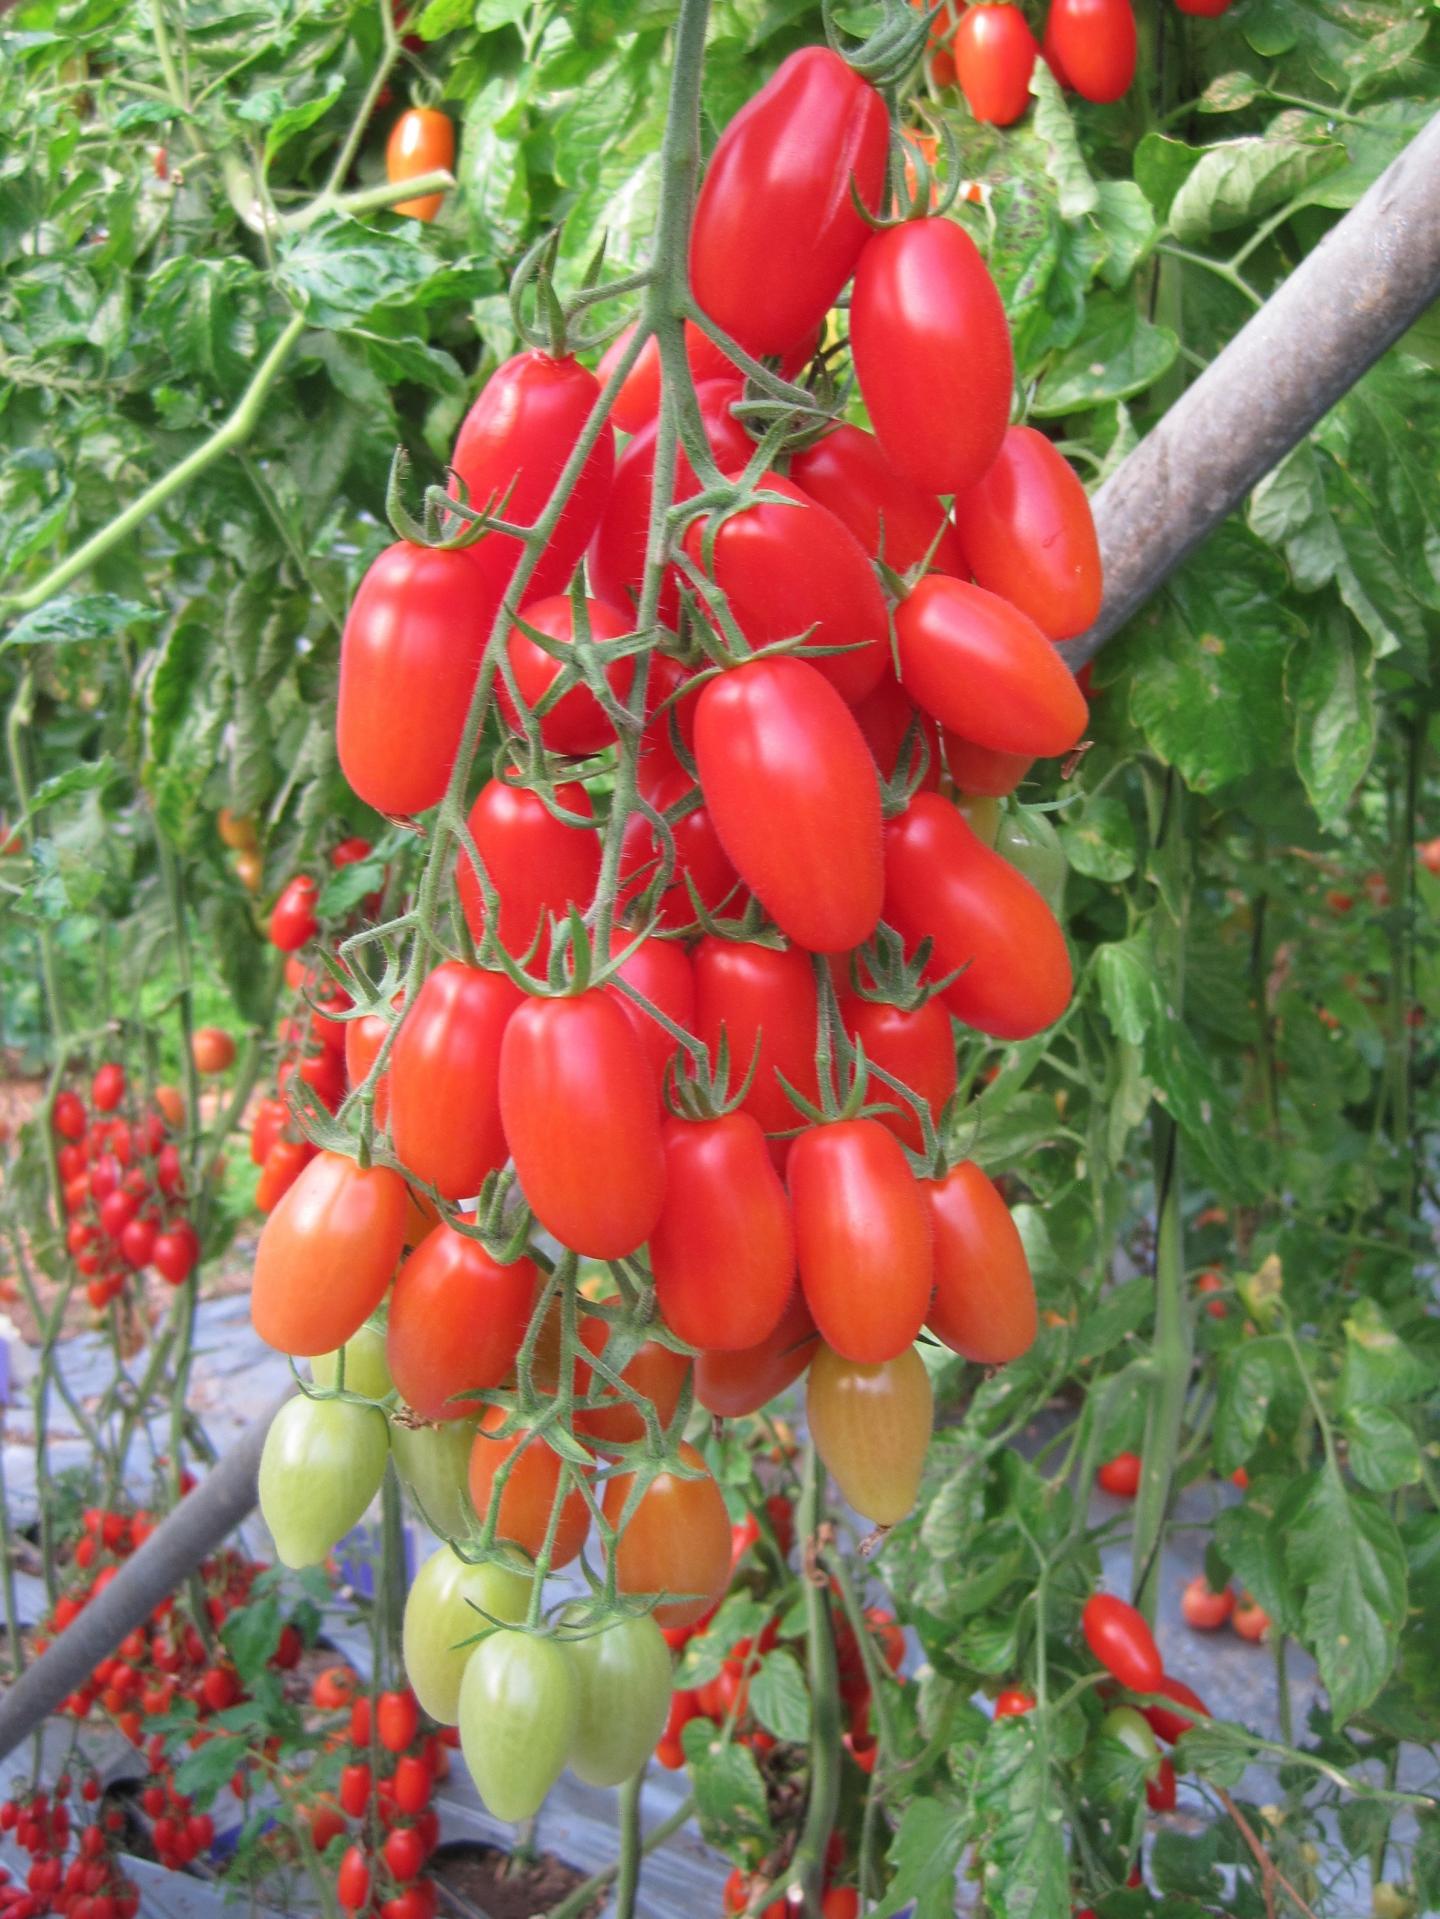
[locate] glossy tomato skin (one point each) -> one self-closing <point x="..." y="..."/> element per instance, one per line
<point x="441" y="1613"/>
<point x="778" y="189"/>
<point x="457" y="1318"/>
<point x="699" y="858"/>
<point x="941" y="882"/>
<point x="913" y="1044"/>
<point x="994" y="55"/>
<point x="1030" y="534"/>
<point x="985" y="670"/>
<point x="796" y="568"/>
<point x="326" y="1255"/>
<point x="677" y="1540"/>
<point x="1205" y="9"/>
<point x="366" y="1372"/>
<point x="638" y="400"/>
<point x="661" y="970"/>
<point x="1120" y="1476"/>
<point x="1093" y="42"/>
<point x="723" y="1249"/>
<point x="760" y="997"/>
<point x="513" y="445"/>
<point x="582" y="1119"/>
<point x="894" y="726"/>
<point x="624" y="1679"/>
<point x="518" y="1709"/>
<point x="1122" y="1642"/>
<point x="862" y="1237"/>
<point x="871" y="1426"/>
<point x="792" y="789"/>
<point x="445" y="1077"/>
<point x="1169" y="1724"/>
<point x="848" y="473"/>
<point x="422" y="140"/>
<point x="656" y="1372"/>
<point x="730" y="1385"/>
<point x="363" y="1039"/>
<point x="984" y="1304"/>
<point x="981" y="772"/>
<point x="577" y="723"/>
<point x="321" y="1465"/>
<point x="932" y="352"/>
<point x="413" y="641"/>
<point x="539" y="865"/>
<point x="292" y="918"/>
<point x="522" y="1514"/>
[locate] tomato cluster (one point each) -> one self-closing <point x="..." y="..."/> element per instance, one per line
<point x="87" y="1885"/>
<point x="123" y="1184"/>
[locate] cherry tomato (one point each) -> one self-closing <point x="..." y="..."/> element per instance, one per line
<point x="623" y="1679"/>
<point x="914" y="1045"/>
<point x="1091" y="43"/>
<point x="700" y="861"/>
<point x="422" y="140"/>
<point x="1119" y="1638"/>
<point x="107" y="1089"/>
<point x="941" y="882"/>
<point x="363" y="1039"/>
<point x="326" y="1255"/>
<point x="1013" y="1702"/>
<point x="1029" y="532"/>
<point x="352" y="1881"/>
<point x="1205" y="9"/>
<point x="528" y="1495"/>
<point x="284" y="1163"/>
<point x="1128" y="1726"/>
<point x="409" y="659"/>
<point x="445" y="1078"/>
<point x="863" y="1238"/>
<point x="979" y="772"/>
<point x="795" y="568"/>
<point x="661" y="970"/>
<point x="1160" y="1791"/>
<point x="292" y="918"/>
<point x="792" y="789"/>
<point x="1171" y="1725"/>
<point x="445" y="1607"/>
<point x="67" y="1115"/>
<point x="778" y="188"/>
<point x="576" y="723"/>
<point x="1249" y="1620"/>
<point x="397" y="1720"/>
<point x="894" y="727"/>
<point x="932" y="352"/>
<point x="733" y="1384"/>
<point x="434" y="1466"/>
<point x="762" y="1001"/>
<point x="848" y="473"/>
<point x="321" y="1465"/>
<point x="581" y="1116"/>
<point x="137" y="1242"/>
<point x="994" y="52"/>
<point x="1202" y="1607"/>
<point x="1120" y="1476"/>
<point x="656" y="1372"/>
<point x="212" y="1049"/>
<point x="538" y="865"/>
<point x="366" y="1370"/>
<point x="677" y="1539"/>
<point x="871" y="1426"/>
<point x="638" y="401"/>
<point x="723" y="1250"/>
<point x="984" y="1304"/>
<point x="457" y="1318"/>
<point x="519" y="1707"/>
<point x="512" y="447"/>
<point x="236" y="830"/>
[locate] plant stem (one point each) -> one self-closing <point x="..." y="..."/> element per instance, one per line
<point x="628" y="1882"/>
<point x="808" y="1864"/>
<point x="574" y="1903"/>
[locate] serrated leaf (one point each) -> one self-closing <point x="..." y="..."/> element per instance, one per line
<point x="74" y="617"/>
<point x="1250" y="1378"/>
<point x="203" y="1772"/>
<point x="923" y="1859"/>
<point x="1229" y="92"/>
<point x="251" y="1635"/>
<point x="1348" y="1565"/>
<point x="1099" y="841"/>
<point x="1162" y="165"/>
<point x="1329" y="677"/>
<point x="1383" y="1452"/>
<point x="729" y="1792"/>
<point x="1248" y="1537"/>
<point x="1120" y="353"/>
<point x="1380" y="1368"/>
<point x="780" y="1698"/>
<point x="1122" y="1311"/>
<point x="1129" y="987"/>
<point x="1239" y="180"/>
<point x="292" y="120"/>
<point x="1076" y="192"/>
<point x="342" y="270"/>
<point x="1127" y="225"/>
<point x="1021" y="1823"/>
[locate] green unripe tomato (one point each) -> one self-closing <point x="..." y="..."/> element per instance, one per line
<point x="624" y="1678"/>
<point x="441" y="1613"/>
<point x="1032" y="846"/>
<point x="322" y="1464"/>
<point x="1133" y="1729"/>
<point x="982" y="815"/>
<point x="434" y="1463"/>
<point x="518" y="1710"/>
<point x="366" y="1372"/>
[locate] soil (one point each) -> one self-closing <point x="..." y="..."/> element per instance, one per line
<point x="483" y="1882"/>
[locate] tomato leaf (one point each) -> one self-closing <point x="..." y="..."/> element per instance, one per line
<point x="1379" y="1367"/>
<point x="79" y="616"/>
<point x="1256" y="1388"/>
<point x="1383" y="1452"/>
<point x="1120" y="353"/>
<point x="1239" y="179"/>
<point x="923" y="1859"/>
<point x="729" y="1792"/>
<point x="1099" y="841"/>
<point x="1348" y="1565"/>
<point x="1076" y="190"/>
<point x="779" y="1697"/>
<point x="1021" y="1840"/>
<point x="1329" y="678"/>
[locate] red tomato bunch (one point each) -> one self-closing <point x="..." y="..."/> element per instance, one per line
<point x="87" y="1885"/>
<point x="122" y="1184"/>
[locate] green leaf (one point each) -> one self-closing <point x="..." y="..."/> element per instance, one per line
<point x="1100" y="840"/>
<point x="1250" y="1378"/>
<point x="1127" y="225"/>
<point x="1162" y="166"/>
<point x="1248" y="1537"/>
<point x="729" y="1792"/>
<point x="1289" y="509"/>
<point x="923" y="1859"/>
<point x="89" y="776"/>
<point x="1329" y="676"/>
<point x="1229" y="92"/>
<point x="1076" y="191"/>
<point x="1212" y="1751"/>
<point x="1120" y="353"/>
<point x="1380" y="1368"/>
<point x="1384" y="1453"/>
<point x="79" y="616"/>
<point x="203" y="1772"/>
<point x="1237" y="181"/>
<point x="1348" y="1564"/>
<point x="251" y="1635"/>
<point x="1129" y="987"/>
<point x="292" y="120"/>
<point x="1022" y="1832"/>
<point x="1121" y="1312"/>
<point x="209" y="314"/>
<point x="780" y="1698"/>
<point x="341" y="270"/>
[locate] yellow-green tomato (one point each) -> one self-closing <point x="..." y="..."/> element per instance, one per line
<point x="446" y="1607"/>
<point x="434" y="1464"/>
<point x="322" y="1464"/>
<point x="519" y="1705"/>
<point x="1132" y="1729"/>
<point x="982" y="814"/>
<point x="623" y="1677"/>
<point x="871" y="1426"/>
<point x="366" y="1372"/>
<point x="1032" y="846"/>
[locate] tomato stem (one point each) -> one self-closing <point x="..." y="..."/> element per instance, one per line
<point x="808" y="1864"/>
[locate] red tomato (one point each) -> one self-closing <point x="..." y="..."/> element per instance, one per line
<point x="529" y="1491"/>
<point x="792" y="789"/>
<point x="445" y="1078"/>
<point x="107" y="1089"/>
<point x="979" y="771"/>
<point x="731" y="1385"/>
<point x="932" y="352"/>
<point x="914" y="1045"/>
<point x="292" y="918"/>
<point x="67" y="1115"/>
<point x="1202" y="1607"/>
<point x="576" y="723"/>
<point x="892" y="724"/>
<point x="411" y="652"/>
<point x="1205" y="9"/>
<point x="283" y="1165"/>
<point x="539" y="865"/>
<point x="327" y="1254"/>
<point x="1029" y="531"/>
<point x="176" y="1252"/>
<point x="422" y="140"/>
<point x="778" y="189"/>
<point x="763" y="1000"/>
<point x="942" y="882"/>
<point x="986" y="671"/>
<point x="700" y="861"/>
<point x="512" y="447"/>
<point x="892" y="518"/>
<point x="994" y="54"/>
<point x="661" y="970"/>
<point x="1122" y="1642"/>
<point x="137" y="1242"/>
<point x="638" y="400"/>
<point x="1168" y="1724"/>
<point x="656" y="1372"/>
<point x="1093" y="46"/>
<point x="1160" y="1791"/>
<point x="1011" y="1703"/>
<point x="213" y="1049"/>
<point x="723" y="1249"/>
<point x="352" y="1881"/>
<point x="984" y="1304"/>
<point x="676" y="1540"/>
<point x="578" y="1102"/>
<point x="793" y="569"/>
<point x="363" y="1039"/>
<point x="457" y="1318"/>
<point x="862" y="1237"/>
<point x="1120" y="1476"/>
<point x="1249" y="1620"/>
<point x="397" y="1719"/>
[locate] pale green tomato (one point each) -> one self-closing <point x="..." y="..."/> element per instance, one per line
<point x="365" y="1370"/>
<point x="1032" y="846"/>
<point x="624" y="1676"/>
<point x="322" y="1464"/>
<point x="434" y="1464"/>
<point x="440" y="1614"/>
<point x="518" y="1709"/>
<point x="1133" y="1729"/>
<point x="982" y="814"/>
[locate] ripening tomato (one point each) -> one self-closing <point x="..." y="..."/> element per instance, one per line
<point x="657" y="1373"/>
<point x="1128" y="1726"/>
<point x="577" y="723"/>
<point x="762" y="1000"/>
<point x="1091" y="43"/>
<point x="540" y="866"/>
<point x="1013" y="1702"/>
<point x="1120" y="1639"/>
<point x="871" y="1426"/>
<point x="1120" y="1476"/>
<point x="512" y="447"/>
<point x="212" y="1049"/>
<point x="778" y="188"/>
<point x="457" y="1318"/>
<point x="862" y="1238"/>
<point x="723" y="1249"/>
<point x="700" y="861"/>
<point x="942" y="883"/>
<point x="677" y="1539"/>
<point x="795" y="568"/>
<point x="532" y="1484"/>
<point x="363" y="1039"/>
<point x="913" y="1044"/>
<point x="981" y="773"/>
<point x="985" y="670"/>
<point x="984" y="1304"/>
<point x="409" y="659"/>
<point x="638" y="401"/>
<point x="1249" y="1619"/>
<point x="1029" y="532"/>
<point x="422" y="140"/>
<point x="1169" y="1724"/>
<point x="518" y="1710"/>
<point x="893" y="519"/>
<point x="326" y="1254"/>
<point x="285" y="1161"/>
<point x="792" y="789"/>
<point x="624" y="1677"/>
<point x="994" y="52"/>
<point x="321" y="1465"/>
<point x="932" y="352"/>
<point x="730" y="1385"/>
<point x="578" y="1103"/>
<point x="107" y="1089"/>
<point x="433" y="1463"/>
<point x="366" y="1371"/>
<point x="352" y="1880"/>
<point x="1202" y="1607"/>
<point x="661" y="970"/>
<point x="895" y="728"/>
<point x="445" y="1078"/>
<point x="445" y="1608"/>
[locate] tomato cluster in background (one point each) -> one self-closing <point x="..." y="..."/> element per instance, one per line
<point x="88" y="1884"/>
